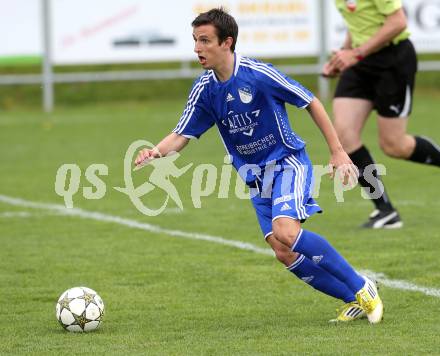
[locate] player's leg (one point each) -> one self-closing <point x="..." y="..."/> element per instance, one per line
<point x="319" y="251"/>
<point x="301" y="266"/>
<point x="292" y="202"/>
<point x="351" y="107"/>
<point x="309" y="272"/>
<point x="288" y="232"/>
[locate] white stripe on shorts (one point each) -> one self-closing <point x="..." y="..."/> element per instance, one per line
<point x="299" y="186"/>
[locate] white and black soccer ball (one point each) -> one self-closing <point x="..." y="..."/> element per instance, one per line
<point x="80" y="309"/>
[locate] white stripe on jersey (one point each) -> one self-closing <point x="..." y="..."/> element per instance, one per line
<point x="193" y="92"/>
<point x="275" y="75"/>
<point x="192" y="100"/>
<point x="272" y="70"/>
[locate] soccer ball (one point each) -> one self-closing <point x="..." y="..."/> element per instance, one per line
<point x="80" y="309"/>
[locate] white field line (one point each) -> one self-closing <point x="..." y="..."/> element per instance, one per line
<point x="26" y="214"/>
<point x="60" y="209"/>
<point x="396" y="203"/>
<point x="400" y="284"/>
<point x="15" y="214"/>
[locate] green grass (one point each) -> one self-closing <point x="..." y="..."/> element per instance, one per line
<point x="20" y="60"/>
<point x="171" y="296"/>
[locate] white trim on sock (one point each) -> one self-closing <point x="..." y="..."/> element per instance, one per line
<point x="296" y="263"/>
<point x="297" y="239"/>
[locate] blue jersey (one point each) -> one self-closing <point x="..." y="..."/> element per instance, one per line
<point x="249" y="111"/>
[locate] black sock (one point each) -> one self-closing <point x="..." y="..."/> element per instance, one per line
<point x="426" y="152"/>
<point x="362" y="159"/>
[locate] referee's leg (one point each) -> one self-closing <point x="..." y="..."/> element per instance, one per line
<point x="350" y="115"/>
<point x="397" y="143"/>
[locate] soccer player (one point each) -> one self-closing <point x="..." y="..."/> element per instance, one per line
<point x="246" y="99"/>
<point x="377" y="66"/>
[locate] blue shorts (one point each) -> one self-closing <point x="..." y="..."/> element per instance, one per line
<point x="285" y="191"/>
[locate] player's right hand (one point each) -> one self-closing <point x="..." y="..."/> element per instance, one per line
<point x="145" y="154"/>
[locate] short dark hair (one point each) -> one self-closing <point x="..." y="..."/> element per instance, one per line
<point x="225" y="24"/>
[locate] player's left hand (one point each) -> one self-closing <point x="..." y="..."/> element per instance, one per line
<point x="342" y="165"/>
<point x="344" y="59"/>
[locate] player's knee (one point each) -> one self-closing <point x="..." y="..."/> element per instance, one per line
<point x="285" y="256"/>
<point x="286" y="236"/>
<point x="282" y="252"/>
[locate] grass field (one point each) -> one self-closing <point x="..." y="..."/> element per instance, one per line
<point x="173" y="296"/>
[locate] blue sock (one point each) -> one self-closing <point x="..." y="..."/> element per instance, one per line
<point x="318" y="250"/>
<point x="320" y="279"/>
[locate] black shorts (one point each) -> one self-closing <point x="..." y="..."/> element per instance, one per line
<point x="386" y="78"/>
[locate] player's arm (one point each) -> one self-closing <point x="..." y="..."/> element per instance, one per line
<point x="171" y="143"/>
<point x="339" y="158"/>
<point x="394" y="24"/>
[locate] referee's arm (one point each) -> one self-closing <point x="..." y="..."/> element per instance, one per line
<point x="394" y="24"/>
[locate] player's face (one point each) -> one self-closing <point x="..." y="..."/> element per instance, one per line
<point x="211" y="54"/>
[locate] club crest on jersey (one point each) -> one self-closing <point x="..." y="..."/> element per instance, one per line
<point x="351" y="5"/>
<point x="245" y="95"/>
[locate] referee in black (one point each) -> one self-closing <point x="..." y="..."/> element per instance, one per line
<point x="377" y="66"/>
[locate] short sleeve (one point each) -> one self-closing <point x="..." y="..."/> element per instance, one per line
<point x="387" y="7"/>
<point x="284" y="88"/>
<point x="196" y="118"/>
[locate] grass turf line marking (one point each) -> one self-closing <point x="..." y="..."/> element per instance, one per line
<point x="61" y="209"/>
<point x="15" y="214"/>
<point x="401" y="284"/>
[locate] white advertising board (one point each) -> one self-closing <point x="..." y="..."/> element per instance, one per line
<point x="103" y="31"/>
<point x="20" y="25"/>
<point x="424" y="24"/>
<point x="118" y="31"/>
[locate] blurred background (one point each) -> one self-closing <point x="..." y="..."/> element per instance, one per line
<point x="60" y="52"/>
